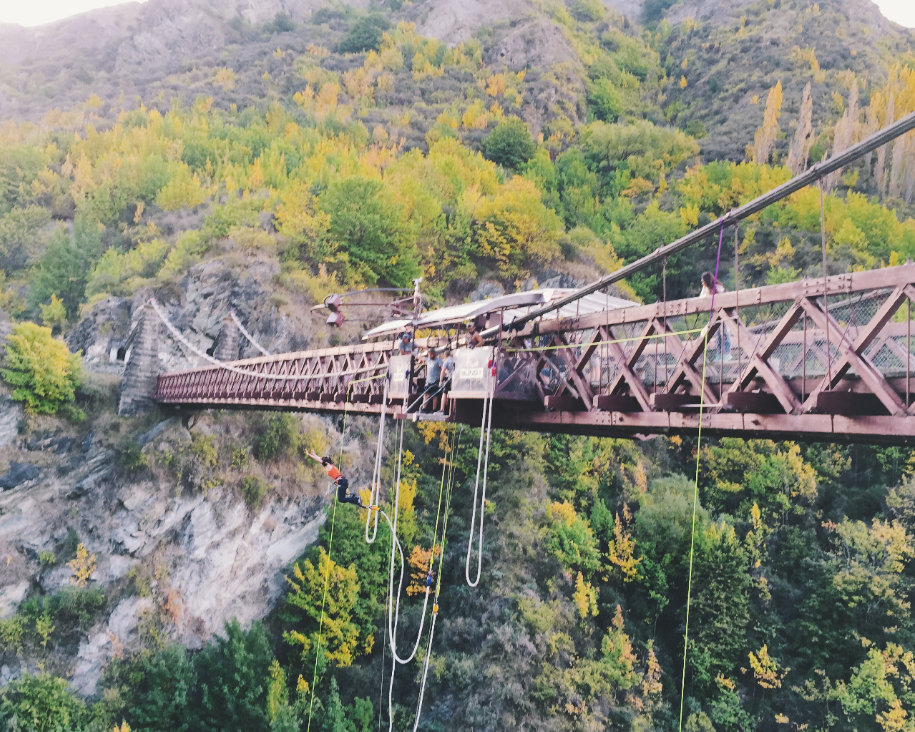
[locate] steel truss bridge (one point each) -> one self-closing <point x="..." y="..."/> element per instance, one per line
<point x="821" y="359"/>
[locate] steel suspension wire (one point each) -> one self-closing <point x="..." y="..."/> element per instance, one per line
<point x="485" y="430"/>
<point x="692" y="541"/>
<point x="176" y="334"/>
<point x="808" y="177"/>
<point x="825" y="286"/>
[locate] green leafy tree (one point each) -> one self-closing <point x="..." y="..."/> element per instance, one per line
<point x="364" y="34"/>
<point x="645" y="150"/>
<point x="510" y="144"/>
<point x="369" y="226"/>
<point x="739" y="473"/>
<point x="233" y="674"/>
<point x="54" y="314"/>
<point x="19" y="166"/>
<point x="335" y="713"/>
<point x="21" y="235"/>
<point x="325" y="622"/>
<point x="41" y="368"/>
<point x="720" y="609"/>
<point x="159" y="689"/>
<point x="280" y="436"/>
<point x="43" y="703"/>
<point x="64" y="267"/>
<point x="571" y="540"/>
<point x="370" y="562"/>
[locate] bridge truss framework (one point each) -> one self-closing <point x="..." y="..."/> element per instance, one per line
<point x="822" y="359"/>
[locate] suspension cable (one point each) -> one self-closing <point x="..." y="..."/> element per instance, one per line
<point x="176" y="334"/>
<point x="247" y="335"/>
<point x="825" y="286"/>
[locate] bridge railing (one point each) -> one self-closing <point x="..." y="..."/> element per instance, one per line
<point x="325" y="376"/>
<point x="840" y="345"/>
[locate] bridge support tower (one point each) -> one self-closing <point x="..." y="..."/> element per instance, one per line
<point x="227" y="342"/>
<point x="142" y="369"/>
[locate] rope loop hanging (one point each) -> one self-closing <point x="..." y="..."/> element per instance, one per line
<point x="482" y="459"/>
<point x="375" y="486"/>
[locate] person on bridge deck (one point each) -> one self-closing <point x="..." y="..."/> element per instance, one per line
<point x="447" y="374"/>
<point x="720" y="346"/>
<point x="474" y="338"/>
<point x="405" y="345"/>
<point x="433" y="375"/>
<point x="709" y="285"/>
<point x="343" y="496"/>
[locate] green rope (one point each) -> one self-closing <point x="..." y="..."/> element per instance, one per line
<point x="330" y="549"/>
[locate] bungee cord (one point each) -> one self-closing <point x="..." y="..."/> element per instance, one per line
<point x="375" y="486"/>
<point x="485" y="431"/>
<point x="438" y="582"/>
<point x="330" y="548"/>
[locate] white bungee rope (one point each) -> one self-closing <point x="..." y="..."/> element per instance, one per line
<point x="438" y="584"/>
<point x="485" y="430"/>
<point x="375" y="486"/>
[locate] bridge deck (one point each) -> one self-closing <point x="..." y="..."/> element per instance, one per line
<point x="779" y="361"/>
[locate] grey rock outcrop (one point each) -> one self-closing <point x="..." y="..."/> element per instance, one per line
<point x="227" y="342"/>
<point x="456" y="21"/>
<point x="103" y="329"/>
<point x="537" y="43"/>
<point x="10" y="415"/>
<point x="18" y="474"/>
<point x="220" y="560"/>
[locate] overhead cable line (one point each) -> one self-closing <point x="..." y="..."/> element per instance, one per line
<point x="808" y="177"/>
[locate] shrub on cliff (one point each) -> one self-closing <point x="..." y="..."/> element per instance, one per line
<point x="510" y="144"/>
<point x="43" y="371"/>
<point x="43" y="703"/>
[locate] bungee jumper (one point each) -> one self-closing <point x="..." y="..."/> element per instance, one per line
<point x="343" y="494"/>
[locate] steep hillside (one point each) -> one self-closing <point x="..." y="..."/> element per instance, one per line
<point x="722" y="58"/>
<point x="252" y="158"/>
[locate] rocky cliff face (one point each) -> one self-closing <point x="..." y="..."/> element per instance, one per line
<point x="174" y="550"/>
<point x="161" y="34"/>
<point x="216" y="558"/>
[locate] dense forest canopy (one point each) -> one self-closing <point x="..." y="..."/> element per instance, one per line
<point x="352" y="151"/>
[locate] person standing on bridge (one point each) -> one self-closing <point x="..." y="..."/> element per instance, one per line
<point x="343" y="496"/>
<point x="722" y="341"/>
